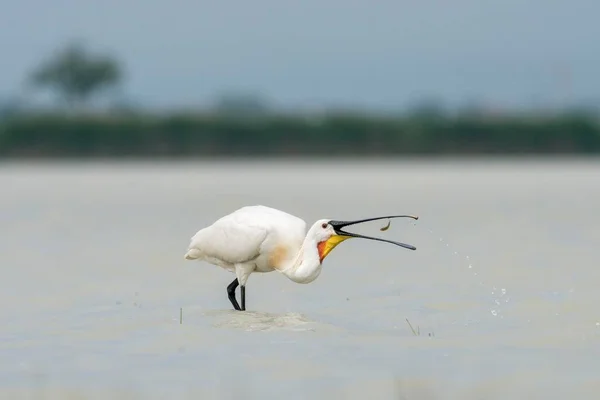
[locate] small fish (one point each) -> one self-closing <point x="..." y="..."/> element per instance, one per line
<point x="385" y="228"/>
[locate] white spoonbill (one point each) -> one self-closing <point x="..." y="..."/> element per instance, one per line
<point x="263" y="239"/>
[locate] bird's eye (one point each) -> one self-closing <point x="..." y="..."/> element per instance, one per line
<point x="324" y="225"/>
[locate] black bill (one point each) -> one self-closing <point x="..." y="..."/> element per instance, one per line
<point x="338" y="225"/>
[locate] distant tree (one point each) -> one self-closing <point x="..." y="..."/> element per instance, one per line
<point x="76" y="75"/>
<point x="10" y="106"/>
<point x="241" y="103"/>
<point x="427" y="108"/>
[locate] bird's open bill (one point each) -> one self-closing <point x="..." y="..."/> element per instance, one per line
<point x="338" y="225"/>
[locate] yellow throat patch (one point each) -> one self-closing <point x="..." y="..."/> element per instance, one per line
<point x="326" y="246"/>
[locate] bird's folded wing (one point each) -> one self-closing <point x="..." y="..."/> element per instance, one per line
<point x="230" y="241"/>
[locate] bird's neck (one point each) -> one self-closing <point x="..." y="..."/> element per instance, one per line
<point x="306" y="266"/>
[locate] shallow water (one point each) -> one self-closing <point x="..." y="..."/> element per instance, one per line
<point x="502" y="288"/>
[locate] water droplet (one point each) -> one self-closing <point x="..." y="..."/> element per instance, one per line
<point x="467" y="257"/>
<point x="494" y="313"/>
<point x="503" y="291"/>
<point x="497" y="302"/>
<point x="597" y="323"/>
<point x="456" y="252"/>
<point x="470" y="266"/>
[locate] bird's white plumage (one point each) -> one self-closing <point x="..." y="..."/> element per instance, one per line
<point x="264" y="239"/>
<point x="248" y="235"/>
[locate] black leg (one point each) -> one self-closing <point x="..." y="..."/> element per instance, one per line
<point x="243" y="289"/>
<point x="231" y="294"/>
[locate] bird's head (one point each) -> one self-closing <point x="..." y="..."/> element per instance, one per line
<point x="329" y="233"/>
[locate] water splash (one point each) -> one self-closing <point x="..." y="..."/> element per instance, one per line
<point x="499" y="296"/>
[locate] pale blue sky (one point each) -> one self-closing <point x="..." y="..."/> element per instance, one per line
<point x="313" y="52"/>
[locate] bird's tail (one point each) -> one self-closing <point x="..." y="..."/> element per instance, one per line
<point x="192" y="254"/>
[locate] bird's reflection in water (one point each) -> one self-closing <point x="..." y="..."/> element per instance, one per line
<point x="261" y="321"/>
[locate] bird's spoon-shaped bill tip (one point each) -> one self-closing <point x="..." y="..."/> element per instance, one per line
<point x="338" y="225"/>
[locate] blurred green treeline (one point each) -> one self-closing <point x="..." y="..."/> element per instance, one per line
<point x="77" y="76"/>
<point x="225" y="135"/>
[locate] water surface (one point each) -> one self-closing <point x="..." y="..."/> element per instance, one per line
<point x="503" y="288"/>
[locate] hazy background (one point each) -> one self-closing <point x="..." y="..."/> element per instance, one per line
<point x="480" y="117"/>
<point x="385" y="54"/>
